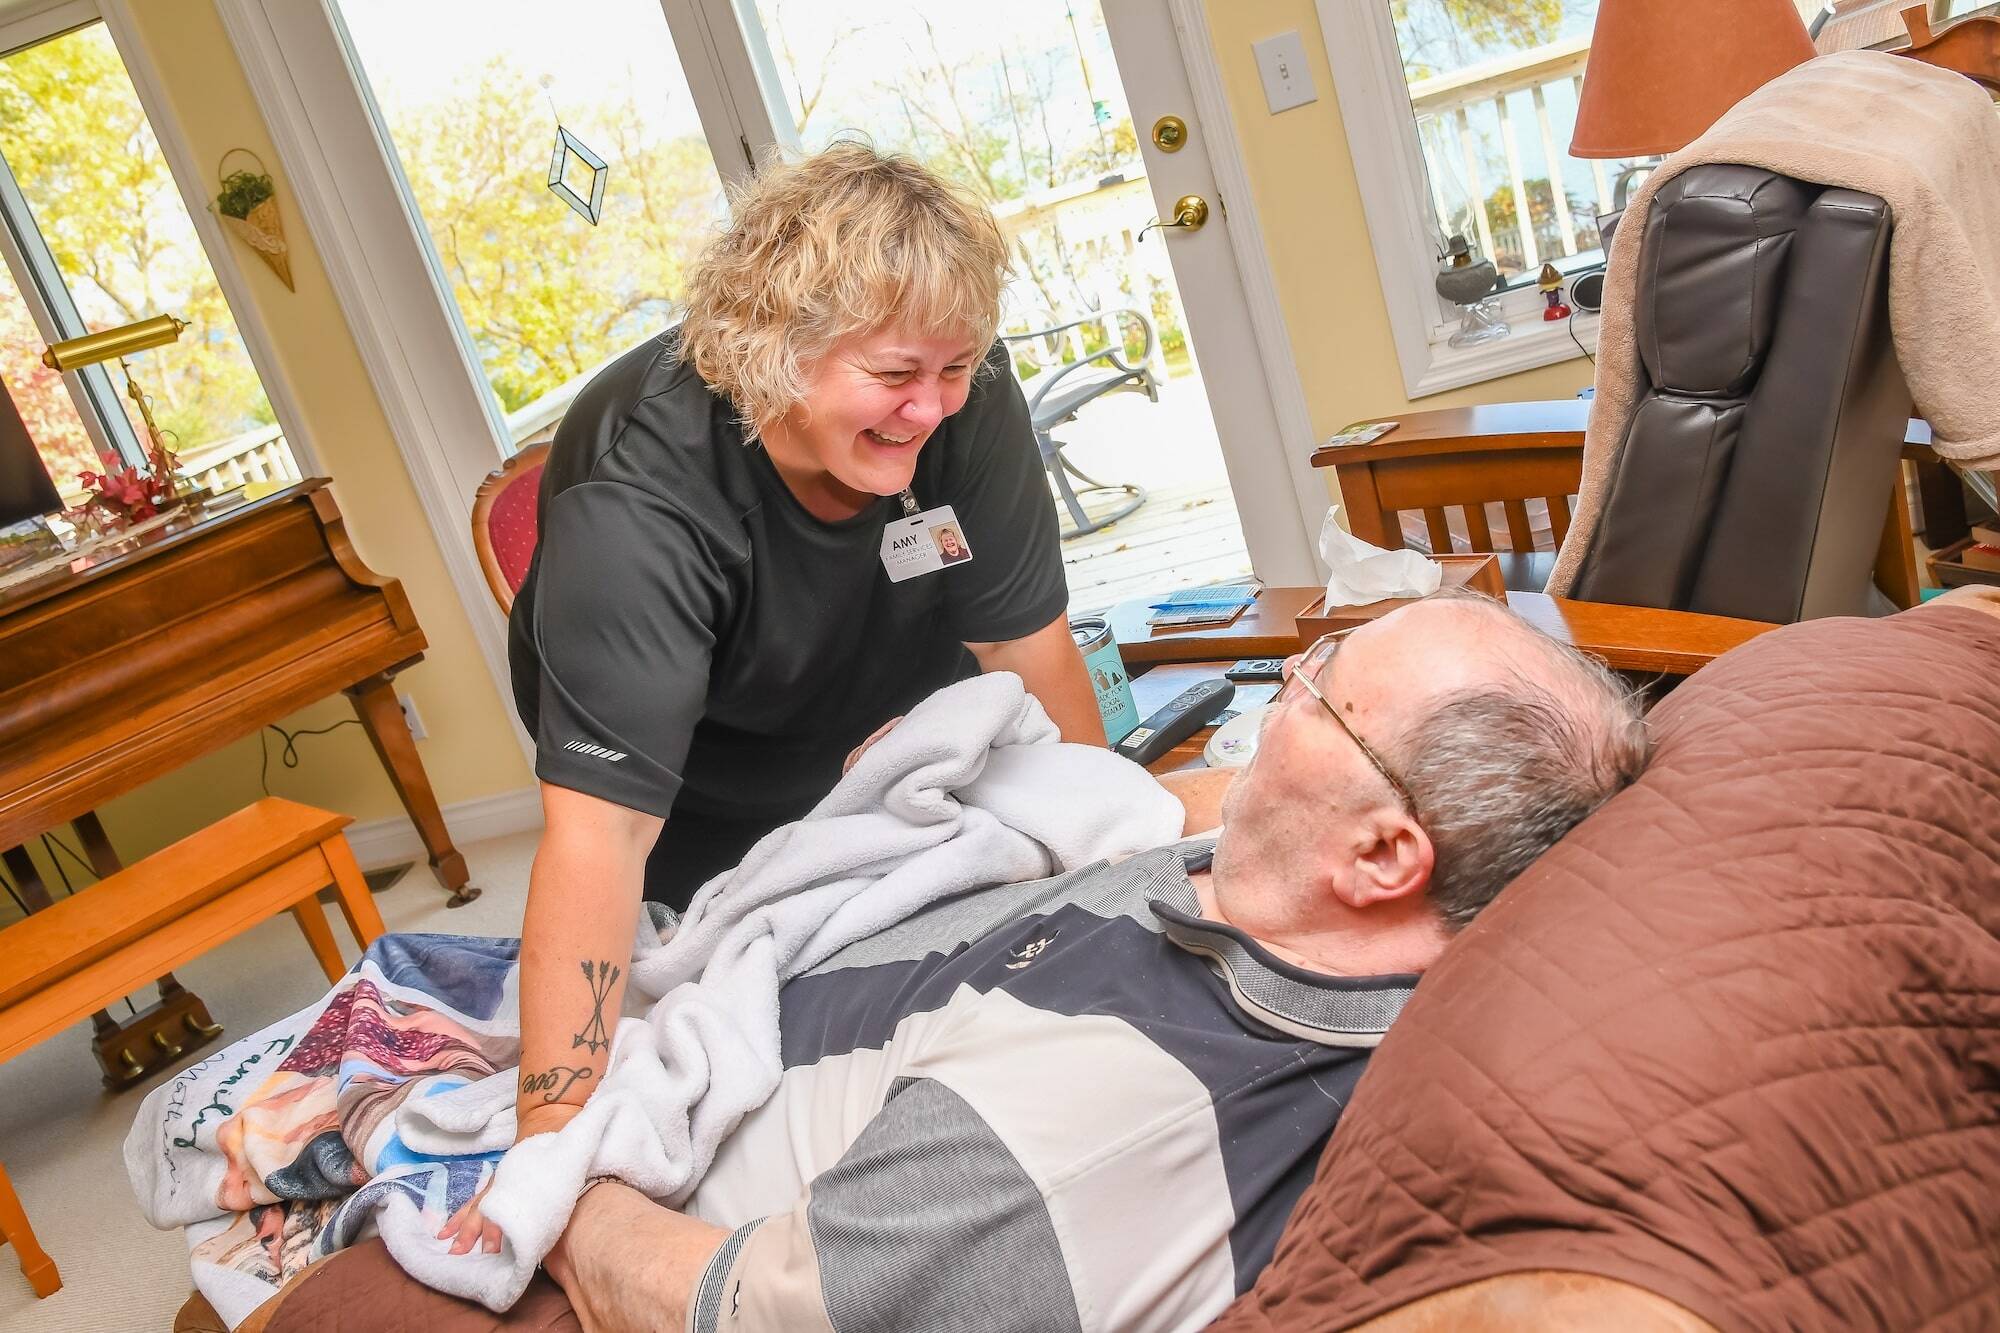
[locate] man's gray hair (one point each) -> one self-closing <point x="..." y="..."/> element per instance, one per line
<point x="1498" y="776"/>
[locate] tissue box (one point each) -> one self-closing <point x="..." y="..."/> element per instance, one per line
<point x="1481" y="573"/>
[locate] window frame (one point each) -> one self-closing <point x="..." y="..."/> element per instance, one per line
<point x="46" y="292"/>
<point x="1367" y="65"/>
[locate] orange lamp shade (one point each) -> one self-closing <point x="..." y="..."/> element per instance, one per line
<point x="1662" y="71"/>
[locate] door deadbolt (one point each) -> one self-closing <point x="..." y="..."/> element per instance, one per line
<point x="1170" y="133"/>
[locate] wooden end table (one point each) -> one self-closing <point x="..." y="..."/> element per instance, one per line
<point x="1625" y="638"/>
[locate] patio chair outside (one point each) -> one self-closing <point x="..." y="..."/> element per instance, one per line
<point x="1057" y="395"/>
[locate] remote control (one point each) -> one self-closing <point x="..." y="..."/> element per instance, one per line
<point x="1189" y="711"/>
<point x="1256" y="670"/>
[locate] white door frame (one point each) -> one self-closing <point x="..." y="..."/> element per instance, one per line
<point x="1227" y="287"/>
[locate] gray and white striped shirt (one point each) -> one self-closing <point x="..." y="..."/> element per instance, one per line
<point x="1070" y="1104"/>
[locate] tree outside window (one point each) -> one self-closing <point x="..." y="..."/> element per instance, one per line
<point x="99" y="191"/>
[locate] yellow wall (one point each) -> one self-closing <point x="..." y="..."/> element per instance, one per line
<point x="471" y="750"/>
<point x="1309" y="203"/>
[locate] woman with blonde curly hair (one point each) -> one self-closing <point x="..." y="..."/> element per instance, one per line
<point x="714" y="618"/>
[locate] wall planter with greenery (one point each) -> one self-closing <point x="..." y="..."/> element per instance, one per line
<point x="248" y="207"/>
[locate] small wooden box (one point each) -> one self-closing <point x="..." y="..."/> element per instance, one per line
<point x="1481" y="573"/>
<point x="1964" y="562"/>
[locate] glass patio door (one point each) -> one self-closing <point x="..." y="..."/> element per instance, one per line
<point x="558" y="166"/>
<point x="1023" y="104"/>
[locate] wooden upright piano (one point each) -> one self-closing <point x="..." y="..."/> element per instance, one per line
<point x="132" y="662"/>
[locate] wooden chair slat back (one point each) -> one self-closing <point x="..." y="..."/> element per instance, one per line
<point x="1440" y="530"/>
<point x="1519" y="529"/>
<point x="1419" y="483"/>
<point x="1476" y="528"/>
<point x="1558" y="517"/>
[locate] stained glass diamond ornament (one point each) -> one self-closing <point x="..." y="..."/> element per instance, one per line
<point x="567" y="167"/>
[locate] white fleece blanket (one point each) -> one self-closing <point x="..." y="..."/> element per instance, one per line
<point x="971" y="790"/>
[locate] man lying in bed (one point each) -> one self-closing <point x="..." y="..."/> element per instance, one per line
<point x="1091" y="1102"/>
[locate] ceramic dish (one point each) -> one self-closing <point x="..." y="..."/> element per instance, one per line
<point x="1235" y="740"/>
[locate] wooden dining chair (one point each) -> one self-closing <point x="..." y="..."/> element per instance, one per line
<point x="506" y="512"/>
<point x="1469" y="480"/>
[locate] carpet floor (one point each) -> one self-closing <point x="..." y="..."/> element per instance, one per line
<point x="61" y="1131"/>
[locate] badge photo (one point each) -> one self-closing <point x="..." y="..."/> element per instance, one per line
<point x="950" y="542"/>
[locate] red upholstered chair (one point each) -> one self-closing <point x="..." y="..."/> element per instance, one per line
<point x="505" y="515"/>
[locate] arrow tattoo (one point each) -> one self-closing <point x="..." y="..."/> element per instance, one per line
<point x="594" y="1036"/>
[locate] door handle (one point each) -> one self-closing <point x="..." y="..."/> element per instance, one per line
<point x="1190" y="213"/>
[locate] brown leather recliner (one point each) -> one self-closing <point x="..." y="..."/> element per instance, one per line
<point x="1753" y="474"/>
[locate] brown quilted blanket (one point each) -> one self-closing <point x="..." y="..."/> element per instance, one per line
<point x="1735" y="1041"/>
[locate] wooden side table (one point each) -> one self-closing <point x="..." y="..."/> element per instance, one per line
<point x="1265" y="629"/>
<point x="1625" y="638"/>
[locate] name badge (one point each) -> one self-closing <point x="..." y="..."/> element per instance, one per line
<point x="923" y="544"/>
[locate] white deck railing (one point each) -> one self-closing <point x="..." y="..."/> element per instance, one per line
<point x="1451" y="110"/>
<point x="257" y="455"/>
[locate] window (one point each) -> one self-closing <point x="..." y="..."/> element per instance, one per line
<point x="354" y="94"/>
<point x="1024" y="107"/>
<point x="99" y="237"/>
<point x="471" y="95"/>
<point x="1460" y="113"/>
<point x="1493" y="88"/>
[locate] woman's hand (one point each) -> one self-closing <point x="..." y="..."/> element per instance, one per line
<point x="854" y="755"/>
<point x="470" y="1228"/>
<point x="467" y="1225"/>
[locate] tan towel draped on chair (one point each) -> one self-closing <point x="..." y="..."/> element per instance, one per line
<point x="1923" y="139"/>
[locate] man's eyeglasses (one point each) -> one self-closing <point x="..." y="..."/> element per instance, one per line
<point x="1305" y="677"/>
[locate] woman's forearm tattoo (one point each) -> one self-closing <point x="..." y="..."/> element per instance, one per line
<point x="595" y="1036"/>
<point x="552" y="1083"/>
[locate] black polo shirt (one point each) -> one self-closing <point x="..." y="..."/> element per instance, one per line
<point x="690" y="642"/>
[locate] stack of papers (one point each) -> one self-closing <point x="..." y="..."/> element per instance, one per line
<point x="1216" y="604"/>
<point x="1360" y="434"/>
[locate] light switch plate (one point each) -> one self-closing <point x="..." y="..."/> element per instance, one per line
<point x="1288" y="82"/>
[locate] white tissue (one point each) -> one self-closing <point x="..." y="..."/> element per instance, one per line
<point x="1364" y="573"/>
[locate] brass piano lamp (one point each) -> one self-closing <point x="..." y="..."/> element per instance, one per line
<point x="115" y="345"/>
